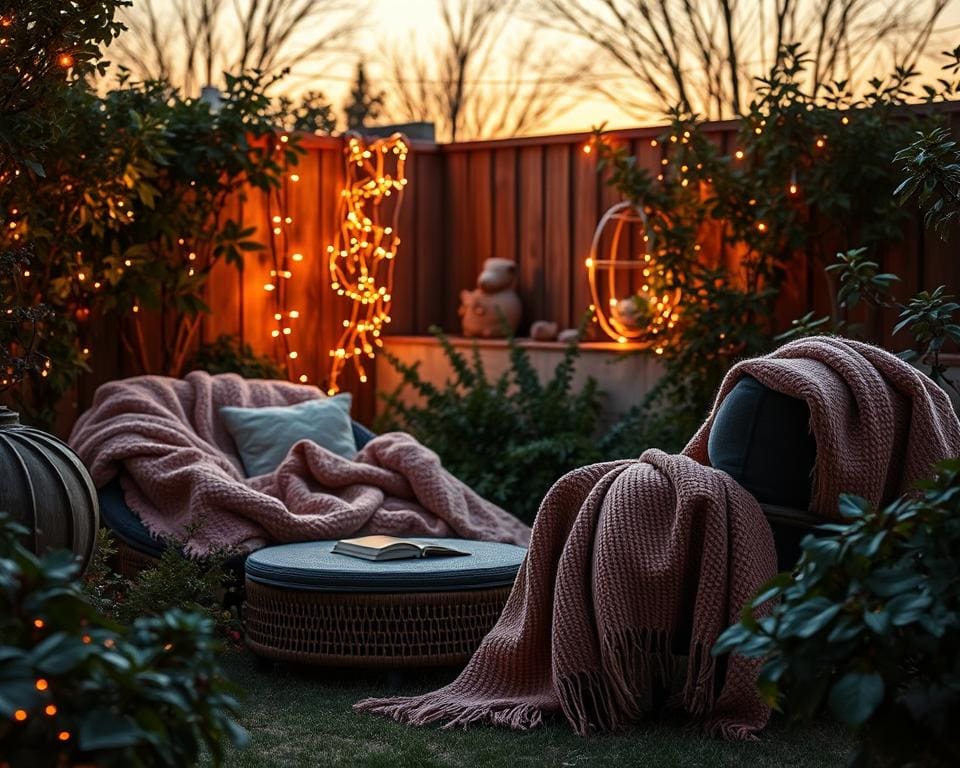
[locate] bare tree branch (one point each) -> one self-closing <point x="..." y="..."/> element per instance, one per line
<point x="704" y="55"/>
<point x="192" y="42"/>
<point x="477" y="81"/>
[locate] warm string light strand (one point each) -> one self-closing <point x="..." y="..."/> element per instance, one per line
<point x="361" y="260"/>
<point x="282" y="261"/>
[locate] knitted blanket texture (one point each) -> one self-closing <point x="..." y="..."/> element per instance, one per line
<point x="181" y="472"/>
<point x="633" y="564"/>
<point x="879" y="424"/>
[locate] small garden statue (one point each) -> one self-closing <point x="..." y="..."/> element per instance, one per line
<point x="493" y="307"/>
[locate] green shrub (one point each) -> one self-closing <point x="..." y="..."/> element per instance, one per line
<point x="205" y="587"/>
<point x="869" y="623"/>
<point x="76" y="688"/>
<point x="230" y="355"/>
<point x="510" y="438"/>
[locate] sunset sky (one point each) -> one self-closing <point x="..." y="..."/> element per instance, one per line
<point x="407" y="20"/>
<point x="411" y="28"/>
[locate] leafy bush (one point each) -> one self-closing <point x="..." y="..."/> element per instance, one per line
<point x="135" y="206"/>
<point x="75" y="688"/>
<point x="510" y="438"/>
<point x="230" y="355"/>
<point x="809" y="173"/>
<point x="203" y="586"/>
<point x="869" y="623"/>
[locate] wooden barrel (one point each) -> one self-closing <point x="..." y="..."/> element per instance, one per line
<point x="45" y="487"/>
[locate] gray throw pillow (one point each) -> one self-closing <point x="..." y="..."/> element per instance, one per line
<point x="264" y="436"/>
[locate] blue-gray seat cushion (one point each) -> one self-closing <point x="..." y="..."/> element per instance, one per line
<point x="313" y="566"/>
<point x="127" y="526"/>
<point x="762" y="439"/>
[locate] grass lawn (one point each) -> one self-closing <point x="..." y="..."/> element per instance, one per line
<point x="302" y="717"/>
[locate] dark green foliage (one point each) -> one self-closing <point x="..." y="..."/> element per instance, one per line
<point x="148" y="695"/>
<point x="19" y="355"/>
<point x="205" y="587"/>
<point x="932" y="164"/>
<point x="364" y="105"/>
<point x="133" y="215"/>
<point x="229" y="355"/>
<point x="181" y="583"/>
<point x="806" y="170"/>
<point x="869" y="623"/>
<point x="508" y="438"/>
<point x="48" y="48"/>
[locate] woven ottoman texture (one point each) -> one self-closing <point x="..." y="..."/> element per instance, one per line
<point x="306" y="604"/>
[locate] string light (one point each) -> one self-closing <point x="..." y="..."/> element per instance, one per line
<point x="277" y="287"/>
<point x="361" y="259"/>
<point x="655" y="305"/>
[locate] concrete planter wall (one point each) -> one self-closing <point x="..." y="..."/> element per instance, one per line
<point x="623" y="380"/>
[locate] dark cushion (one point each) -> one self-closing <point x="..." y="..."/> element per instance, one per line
<point x="124" y="522"/>
<point x="762" y="439"/>
<point x="313" y="566"/>
<point x="127" y="526"/>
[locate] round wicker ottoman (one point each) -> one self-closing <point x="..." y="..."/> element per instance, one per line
<point x="306" y="604"/>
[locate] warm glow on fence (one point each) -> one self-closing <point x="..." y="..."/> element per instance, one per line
<point x="361" y="259"/>
<point x="279" y="222"/>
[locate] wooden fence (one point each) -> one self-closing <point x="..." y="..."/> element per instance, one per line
<point x="534" y="200"/>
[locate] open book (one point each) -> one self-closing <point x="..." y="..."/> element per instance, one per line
<point x="390" y="548"/>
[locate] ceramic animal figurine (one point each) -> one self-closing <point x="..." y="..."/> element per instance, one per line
<point x="493" y="303"/>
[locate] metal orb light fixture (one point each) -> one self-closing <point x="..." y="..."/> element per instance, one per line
<point x="640" y="312"/>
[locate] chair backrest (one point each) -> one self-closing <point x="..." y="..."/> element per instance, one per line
<point x="762" y="439"/>
<point x="361" y="434"/>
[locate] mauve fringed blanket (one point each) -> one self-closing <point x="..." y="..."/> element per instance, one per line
<point x="880" y="425"/>
<point x="180" y="470"/>
<point x="629" y="560"/>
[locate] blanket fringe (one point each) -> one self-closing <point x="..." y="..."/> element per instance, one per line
<point x="617" y="695"/>
<point x="699" y="691"/>
<point x="431" y="708"/>
<point x="730" y="730"/>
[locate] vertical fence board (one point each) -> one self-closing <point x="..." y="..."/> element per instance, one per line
<point x="223" y="291"/>
<point x="532" y="285"/>
<point x="457" y="198"/>
<point x="304" y="238"/>
<point x="586" y="216"/>
<point x="480" y="240"/>
<point x="559" y="269"/>
<point x="505" y="213"/>
<point x="403" y="310"/>
<point x="431" y="263"/>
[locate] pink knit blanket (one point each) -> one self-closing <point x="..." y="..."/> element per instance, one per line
<point x="182" y="475"/>
<point x="633" y="564"/>
<point x="879" y="424"/>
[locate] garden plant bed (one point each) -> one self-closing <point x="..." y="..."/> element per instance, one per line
<point x="297" y="714"/>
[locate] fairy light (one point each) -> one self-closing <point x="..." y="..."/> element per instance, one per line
<point x="656" y="302"/>
<point x="361" y="258"/>
<point x="279" y="221"/>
